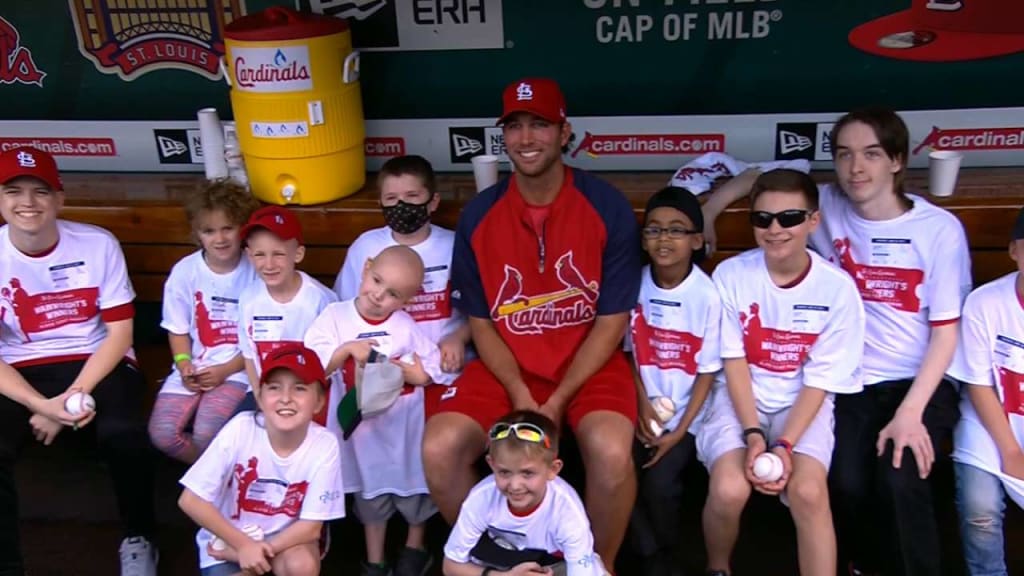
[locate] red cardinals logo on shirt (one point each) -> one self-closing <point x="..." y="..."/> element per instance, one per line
<point x="50" y="310"/>
<point x="771" y="349"/>
<point x="532" y="314"/>
<point x="426" y="306"/>
<point x="896" y="287"/>
<point x="666" y="349"/>
<point x="267" y="497"/>
<point x="213" y="332"/>
<point x="1012" y="384"/>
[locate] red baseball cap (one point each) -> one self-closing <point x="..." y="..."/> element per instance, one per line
<point x="280" y="221"/>
<point x="539" y="96"/>
<point x="33" y="162"/>
<point x="300" y="360"/>
<point x="945" y="31"/>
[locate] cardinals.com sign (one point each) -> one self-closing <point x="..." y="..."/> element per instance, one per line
<point x="417" y="25"/>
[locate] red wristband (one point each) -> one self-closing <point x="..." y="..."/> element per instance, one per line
<point x="786" y="444"/>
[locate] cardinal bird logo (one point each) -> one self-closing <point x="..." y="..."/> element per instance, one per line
<point x="532" y="314"/>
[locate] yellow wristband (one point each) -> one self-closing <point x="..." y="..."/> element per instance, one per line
<point x="182" y="356"/>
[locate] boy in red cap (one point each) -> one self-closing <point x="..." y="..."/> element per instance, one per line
<point x="281" y="308"/>
<point x="66" y="326"/>
<point x="546" y="267"/>
<point x="263" y="490"/>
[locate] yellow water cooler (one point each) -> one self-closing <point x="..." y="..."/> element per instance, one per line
<point x="297" y="107"/>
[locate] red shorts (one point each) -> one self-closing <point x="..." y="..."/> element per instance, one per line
<point x="479" y="395"/>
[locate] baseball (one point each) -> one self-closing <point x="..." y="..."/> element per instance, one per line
<point x="79" y="403"/>
<point x="656" y="427"/>
<point x="664" y="408"/>
<point x="251" y="530"/>
<point x="768" y="467"/>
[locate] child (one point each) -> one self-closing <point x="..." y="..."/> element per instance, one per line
<point x="68" y="328"/>
<point x="200" y="314"/>
<point x="523" y="518"/>
<point x="408" y="197"/>
<point x="279" y="309"/>
<point x="674" y="338"/>
<point x="272" y="472"/>
<point x="792" y="334"/>
<point x="910" y="262"/>
<point x="386" y="446"/>
<point x="988" y="440"/>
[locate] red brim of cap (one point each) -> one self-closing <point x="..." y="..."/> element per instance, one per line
<point x="306" y="376"/>
<point x="248" y="228"/>
<point x="52" y="182"/>
<point x="538" y="113"/>
<point x="899" y="36"/>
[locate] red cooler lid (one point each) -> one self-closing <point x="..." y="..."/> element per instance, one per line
<point x="282" y="23"/>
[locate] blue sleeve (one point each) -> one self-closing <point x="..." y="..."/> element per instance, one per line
<point x="467" y="286"/>
<point x="621" y="264"/>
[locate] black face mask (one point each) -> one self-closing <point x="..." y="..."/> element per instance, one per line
<point x="406" y="218"/>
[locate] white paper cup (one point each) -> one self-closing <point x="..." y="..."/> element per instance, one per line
<point x="485" y="171"/>
<point x="211" y="138"/>
<point x="943" y="168"/>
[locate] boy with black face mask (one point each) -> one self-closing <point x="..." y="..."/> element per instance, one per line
<point x="408" y="198"/>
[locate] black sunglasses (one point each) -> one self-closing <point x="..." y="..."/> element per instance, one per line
<point x="786" y="218"/>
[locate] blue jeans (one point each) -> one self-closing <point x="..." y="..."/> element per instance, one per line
<point x="980" y="503"/>
<point x="222" y="569"/>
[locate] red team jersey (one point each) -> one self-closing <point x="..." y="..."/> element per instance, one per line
<point x="543" y="290"/>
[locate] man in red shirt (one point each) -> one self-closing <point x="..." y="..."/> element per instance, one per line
<point x="546" y="266"/>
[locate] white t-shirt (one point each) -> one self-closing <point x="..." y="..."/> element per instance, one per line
<point x="674" y="335"/>
<point x="991" y="353"/>
<point x="387" y="447"/>
<point x="266" y="324"/>
<point x="50" y="305"/>
<point x="558" y="525"/>
<point x="431" y="307"/>
<point x="249" y="483"/>
<point x="204" y="305"/>
<point x="911" y="271"/>
<point x="811" y="334"/>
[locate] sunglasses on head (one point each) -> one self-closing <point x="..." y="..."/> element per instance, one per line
<point x="522" y="430"/>
<point x="786" y="218"/>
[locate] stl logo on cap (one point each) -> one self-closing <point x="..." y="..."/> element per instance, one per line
<point x="278" y="219"/>
<point x="538" y="96"/>
<point x="524" y="91"/>
<point x="26" y="160"/>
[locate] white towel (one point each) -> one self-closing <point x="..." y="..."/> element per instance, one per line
<point x="699" y="174"/>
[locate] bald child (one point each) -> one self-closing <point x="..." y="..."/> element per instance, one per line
<point x="382" y="461"/>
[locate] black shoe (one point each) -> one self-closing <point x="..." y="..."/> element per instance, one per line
<point x="413" y="562"/>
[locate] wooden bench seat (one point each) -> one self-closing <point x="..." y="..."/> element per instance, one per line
<point x="144" y="212"/>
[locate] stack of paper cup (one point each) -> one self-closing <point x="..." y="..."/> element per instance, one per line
<point x="485" y="171"/>
<point x="943" y="168"/>
<point x="211" y="138"/>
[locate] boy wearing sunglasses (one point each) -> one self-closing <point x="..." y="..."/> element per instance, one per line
<point x="523" y="519"/>
<point x="911" y="264"/>
<point x="792" y="334"/>
<point x="674" y="339"/>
